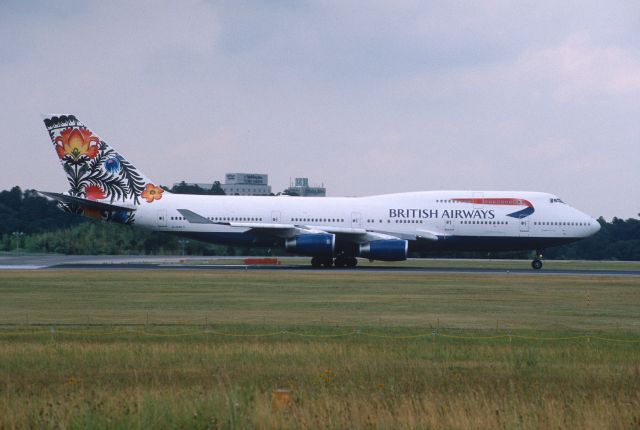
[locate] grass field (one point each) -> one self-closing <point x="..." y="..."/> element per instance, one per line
<point x="197" y="349"/>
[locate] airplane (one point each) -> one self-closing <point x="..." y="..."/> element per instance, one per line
<point x="333" y="231"/>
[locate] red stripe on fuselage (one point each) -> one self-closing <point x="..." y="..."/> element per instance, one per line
<point x="497" y="201"/>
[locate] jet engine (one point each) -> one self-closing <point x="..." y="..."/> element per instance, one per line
<point x="317" y="245"/>
<point x="385" y="250"/>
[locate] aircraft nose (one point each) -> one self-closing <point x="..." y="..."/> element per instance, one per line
<point x="595" y="226"/>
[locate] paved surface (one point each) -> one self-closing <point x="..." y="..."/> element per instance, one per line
<point x="300" y="268"/>
<point x="84" y="262"/>
<point x="35" y="261"/>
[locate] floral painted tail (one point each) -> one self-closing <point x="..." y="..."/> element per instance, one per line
<point x="95" y="170"/>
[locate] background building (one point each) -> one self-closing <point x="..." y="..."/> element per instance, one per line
<point x="238" y="184"/>
<point x="253" y="184"/>
<point x="300" y="187"/>
<point x="246" y="184"/>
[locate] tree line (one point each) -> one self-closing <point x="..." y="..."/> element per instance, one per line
<point x="47" y="229"/>
<point x="184" y="188"/>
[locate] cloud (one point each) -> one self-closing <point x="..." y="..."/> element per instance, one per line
<point x="580" y="68"/>
<point x="384" y="97"/>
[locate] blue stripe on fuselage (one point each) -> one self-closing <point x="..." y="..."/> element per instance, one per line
<point x="522" y="213"/>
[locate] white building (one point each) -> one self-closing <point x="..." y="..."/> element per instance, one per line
<point x="239" y="184"/>
<point x="246" y="184"/>
<point x="301" y="188"/>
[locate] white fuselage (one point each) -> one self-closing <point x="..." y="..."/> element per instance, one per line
<point x="445" y="219"/>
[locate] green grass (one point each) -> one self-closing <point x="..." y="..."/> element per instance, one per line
<point x="87" y="349"/>
<point x="343" y="298"/>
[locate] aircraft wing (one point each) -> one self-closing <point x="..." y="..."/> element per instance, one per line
<point x="357" y="235"/>
<point x="86" y="203"/>
<point x="362" y="236"/>
<point x="273" y="229"/>
<point x="428" y="235"/>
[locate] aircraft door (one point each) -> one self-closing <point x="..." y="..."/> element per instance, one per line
<point x="276" y="217"/>
<point x="477" y="199"/>
<point x="356" y="219"/>
<point x="161" y="218"/>
<point x="449" y="226"/>
<point x="524" y="226"/>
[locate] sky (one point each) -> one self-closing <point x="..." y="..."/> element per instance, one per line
<point x="366" y="97"/>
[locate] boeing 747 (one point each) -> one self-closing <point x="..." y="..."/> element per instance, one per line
<point x="333" y="231"/>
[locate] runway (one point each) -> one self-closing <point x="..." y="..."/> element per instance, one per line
<point x="60" y="262"/>
<point x="36" y="261"/>
<point x="377" y="269"/>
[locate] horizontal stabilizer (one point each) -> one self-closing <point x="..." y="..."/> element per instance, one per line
<point x="86" y="203"/>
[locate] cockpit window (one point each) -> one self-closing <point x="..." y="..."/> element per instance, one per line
<point x="556" y="200"/>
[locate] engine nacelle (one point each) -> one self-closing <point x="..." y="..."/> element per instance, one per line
<point x="385" y="250"/>
<point x="316" y="245"/>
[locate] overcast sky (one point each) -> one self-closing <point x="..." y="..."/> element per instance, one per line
<point x="367" y="97"/>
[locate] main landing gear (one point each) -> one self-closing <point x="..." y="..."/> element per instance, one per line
<point x="345" y="261"/>
<point x="321" y="262"/>
<point x="340" y="261"/>
<point x="536" y="264"/>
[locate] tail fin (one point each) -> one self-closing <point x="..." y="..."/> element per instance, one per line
<point x="94" y="169"/>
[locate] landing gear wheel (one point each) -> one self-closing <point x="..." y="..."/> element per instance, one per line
<point x="316" y="262"/>
<point x="327" y="262"/>
<point x="537" y="261"/>
<point x="352" y="262"/>
<point x="340" y="261"/>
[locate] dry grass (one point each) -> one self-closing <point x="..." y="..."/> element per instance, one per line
<point x="187" y="376"/>
<point x="197" y="381"/>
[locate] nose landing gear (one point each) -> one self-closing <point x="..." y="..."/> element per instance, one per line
<point x="536" y="264"/>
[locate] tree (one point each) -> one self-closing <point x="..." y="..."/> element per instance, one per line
<point x="184" y="188"/>
<point x="216" y="189"/>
